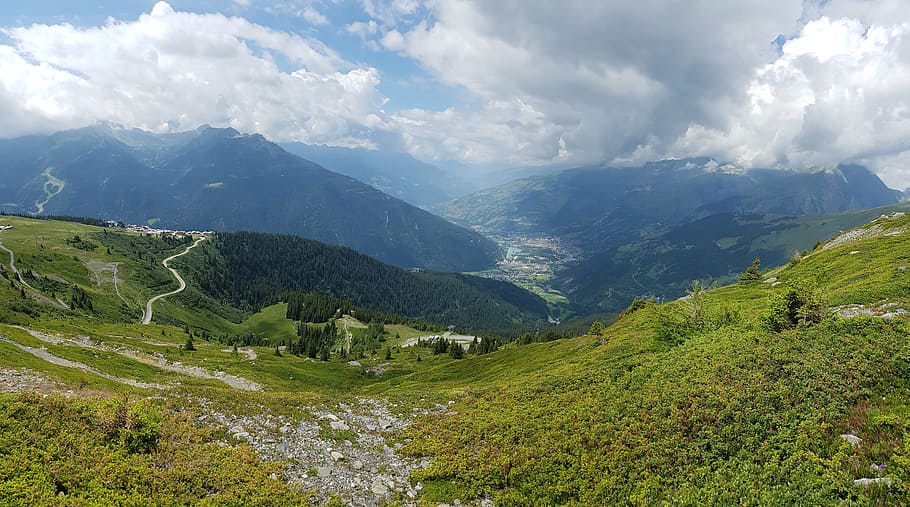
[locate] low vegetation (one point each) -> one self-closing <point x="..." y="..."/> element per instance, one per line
<point x="740" y="394"/>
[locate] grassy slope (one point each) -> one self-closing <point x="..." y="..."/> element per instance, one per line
<point x="736" y="414"/>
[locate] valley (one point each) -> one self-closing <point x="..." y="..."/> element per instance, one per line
<point x="454" y="253"/>
<point x="531" y="262"/>
<point x="369" y="417"/>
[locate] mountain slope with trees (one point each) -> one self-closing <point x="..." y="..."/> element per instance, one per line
<point x="217" y="179"/>
<point x="252" y="270"/>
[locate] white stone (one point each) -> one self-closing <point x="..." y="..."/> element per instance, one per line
<point x="324" y="471"/>
<point x="339" y="426"/>
<point x="337" y="455"/>
<point x="378" y="487"/>
<point x="869" y="482"/>
<point x="852" y="439"/>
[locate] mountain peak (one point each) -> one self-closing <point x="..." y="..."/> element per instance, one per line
<point x="208" y="130"/>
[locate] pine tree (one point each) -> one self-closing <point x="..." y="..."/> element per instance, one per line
<point x="456" y="351"/>
<point x="189" y="344"/>
<point x="752" y="273"/>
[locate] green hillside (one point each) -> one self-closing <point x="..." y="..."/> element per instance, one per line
<point x="716" y="399"/>
<point x="735" y="395"/>
<point x="712" y="249"/>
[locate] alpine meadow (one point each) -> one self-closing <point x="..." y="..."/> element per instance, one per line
<point x="454" y="253"/>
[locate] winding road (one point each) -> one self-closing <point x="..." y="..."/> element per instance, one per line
<point x="147" y="316"/>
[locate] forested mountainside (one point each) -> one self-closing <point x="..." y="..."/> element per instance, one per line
<point x="712" y="249"/>
<point x="599" y="207"/>
<point x="650" y="230"/>
<point x="251" y="270"/>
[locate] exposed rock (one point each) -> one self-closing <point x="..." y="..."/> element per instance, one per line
<point x="368" y="473"/>
<point x="879" y="228"/>
<point x="355" y="364"/>
<point x="866" y="482"/>
<point x="883" y="311"/>
<point x="25" y="380"/>
<point x="852" y="439"/>
<point x="378" y="487"/>
<point x="339" y="426"/>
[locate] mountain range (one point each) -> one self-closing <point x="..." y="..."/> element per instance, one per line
<point x="637" y="228"/>
<point x="218" y="179"/>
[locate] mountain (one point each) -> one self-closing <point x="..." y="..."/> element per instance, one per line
<point x="219" y="179"/>
<point x="651" y="230"/>
<point x="601" y="207"/>
<point x="717" y="248"/>
<point x="397" y="174"/>
<point x="788" y="392"/>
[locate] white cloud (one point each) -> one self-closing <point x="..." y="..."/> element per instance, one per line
<point x="175" y="68"/>
<point x="362" y="29"/>
<point x="628" y="82"/>
<point x="607" y="77"/>
<point x="390" y="12"/>
<point x="315" y="17"/>
<point x="838" y="92"/>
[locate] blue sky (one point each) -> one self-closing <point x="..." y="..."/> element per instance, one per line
<point x="796" y="84"/>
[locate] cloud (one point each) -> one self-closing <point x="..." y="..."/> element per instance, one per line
<point x="362" y="29"/>
<point x="315" y="17"/>
<point x="797" y="83"/>
<point x="179" y="68"/>
<point x="605" y="76"/>
<point x="838" y="92"/>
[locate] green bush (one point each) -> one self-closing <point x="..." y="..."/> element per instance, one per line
<point x="799" y="304"/>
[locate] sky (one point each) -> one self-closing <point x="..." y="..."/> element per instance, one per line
<point x="508" y="83"/>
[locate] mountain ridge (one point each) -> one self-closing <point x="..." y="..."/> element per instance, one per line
<point x="219" y="179"/>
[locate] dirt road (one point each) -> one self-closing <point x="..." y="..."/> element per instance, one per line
<point x="147" y="316"/>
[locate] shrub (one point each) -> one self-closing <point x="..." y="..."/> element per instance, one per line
<point x="799" y="304"/>
<point x="752" y="273"/>
<point x="670" y="327"/>
<point x="638" y="304"/>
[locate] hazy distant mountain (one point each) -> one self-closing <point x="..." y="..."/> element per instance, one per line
<point x="219" y="179"/>
<point x="397" y="174"/>
<point x="655" y="228"/>
<point x="600" y="207"/>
